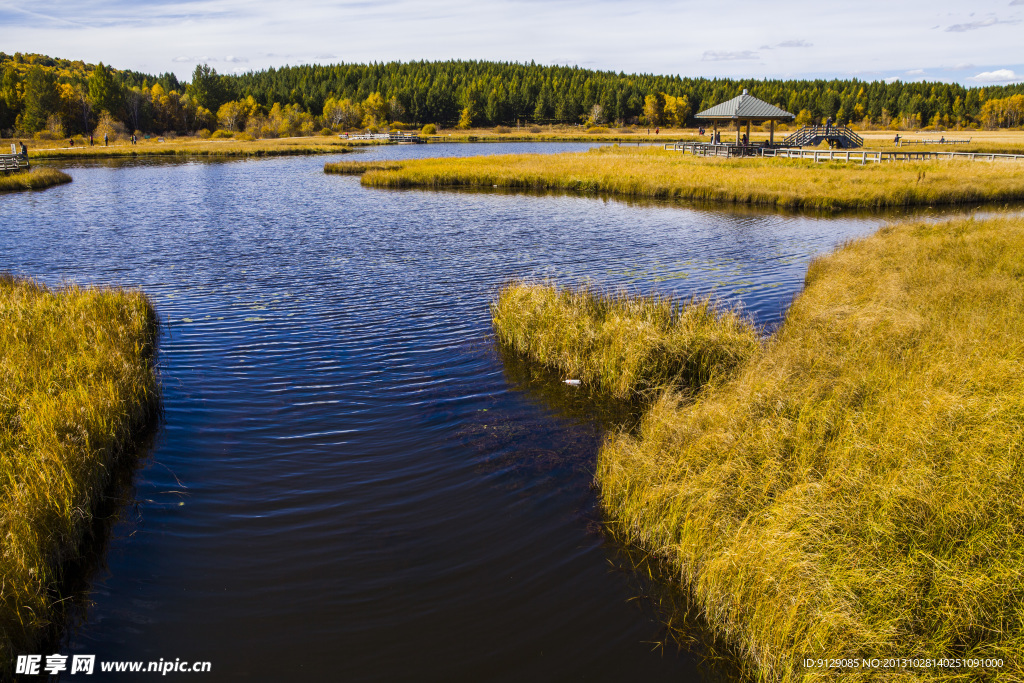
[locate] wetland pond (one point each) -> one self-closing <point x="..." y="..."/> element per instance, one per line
<point x="349" y="482"/>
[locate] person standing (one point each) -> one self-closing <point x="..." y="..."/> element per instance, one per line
<point x="105" y="140"/>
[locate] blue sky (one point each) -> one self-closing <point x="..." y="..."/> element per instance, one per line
<point x="977" y="43"/>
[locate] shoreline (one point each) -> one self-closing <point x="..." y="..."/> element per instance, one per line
<point x="660" y="174"/>
<point x="80" y="406"/>
<point x="32" y="179"/>
<point x="847" y="491"/>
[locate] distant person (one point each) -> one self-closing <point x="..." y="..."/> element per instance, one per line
<point x="71" y="142"/>
<point x="744" y="138"/>
<point x="105" y="140"/>
<point x="896" y="140"/>
<point x="91" y="141"/>
<point x="24" y="150"/>
<point x="657" y="130"/>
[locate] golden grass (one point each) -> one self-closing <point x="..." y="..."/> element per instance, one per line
<point x="360" y="167"/>
<point x="623" y="345"/>
<point x="655" y="173"/>
<point x="192" y="147"/>
<point x="855" y="490"/>
<point x="76" y="386"/>
<point x="33" y="179"/>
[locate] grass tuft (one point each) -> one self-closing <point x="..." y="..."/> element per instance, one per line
<point x="360" y="167"/>
<point x="77" y="385"/>
<point x="624" y="345"/>
<point x="33" y="179"/>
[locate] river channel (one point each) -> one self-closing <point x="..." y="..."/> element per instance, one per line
<point x="349" y="483"/>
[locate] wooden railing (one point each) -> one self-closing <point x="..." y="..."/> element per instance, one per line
<point x="943" y="141"/>
<point x="813" y="135"/>
<point x="13" y="162"/>
<point x="817" y="155"/>
<point x="386" y="137"/>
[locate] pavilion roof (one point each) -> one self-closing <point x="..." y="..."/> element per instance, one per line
<point x="746" y="106"/>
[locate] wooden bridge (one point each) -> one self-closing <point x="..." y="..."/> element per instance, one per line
<point x="817" y="155"/>
<point x="812" y="136"/>
<point x="398" y="137"/>
<point x="13" y="162"/>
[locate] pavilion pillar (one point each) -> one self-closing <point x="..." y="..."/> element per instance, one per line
<point x="748" y="131"/>
<point x="771" y="132"/>
<point x="737" y="131"/>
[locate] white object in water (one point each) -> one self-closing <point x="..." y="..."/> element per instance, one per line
<point x="572" y="382"/>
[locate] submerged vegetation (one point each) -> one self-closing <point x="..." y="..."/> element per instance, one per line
<point x="78" y="382"/>
<point x="34" y="179"/>
<point x="853" y="489"/>
<point x="622" y="344"/>
<point x="658" y="173"/>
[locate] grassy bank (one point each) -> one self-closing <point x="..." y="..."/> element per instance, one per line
<point x="620" y="344"/>
<point x="193" y="147"/>
<point x="33" y="179"/>
<point x="655" y="173"/>
<point x="854" y="489"/>
<point x="77" y="386"/>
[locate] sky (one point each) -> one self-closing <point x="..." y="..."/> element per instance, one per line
<point x="973" y="43"/>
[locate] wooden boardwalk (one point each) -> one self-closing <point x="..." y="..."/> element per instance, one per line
<point x="13" y="162"/>
<point x="845" y="156"/>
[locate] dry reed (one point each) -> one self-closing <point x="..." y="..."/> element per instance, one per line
<point x="76" y="385"/>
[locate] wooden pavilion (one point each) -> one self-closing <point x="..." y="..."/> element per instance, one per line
<point x="746" y="109"/>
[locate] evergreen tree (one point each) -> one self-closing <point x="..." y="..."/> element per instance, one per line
<point x="206" y="88"/>
<point x="41" y="98"/>
<point x="104" y="91"/>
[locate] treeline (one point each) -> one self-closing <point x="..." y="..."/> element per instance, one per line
<point x="42" y="95"/>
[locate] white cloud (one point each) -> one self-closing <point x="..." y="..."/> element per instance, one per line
<point x="915" y="72"/>
<point x="880" y="37"/>
<point x="716" y="56"/>
<point x="972" y="25"/>
<point x="997" y="76"/>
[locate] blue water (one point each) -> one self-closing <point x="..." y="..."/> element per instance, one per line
<point x="349" y="483"/>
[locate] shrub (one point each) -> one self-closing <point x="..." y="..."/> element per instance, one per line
<point x="429" y="129"/>
<point x="221" y="134"/>
<point x="598" y="129"/>
<point x="204" y="133"/>
<point x="243" y="136"/>
<point x="111" y="127"/>
<point x="326" y="132"/>
<point x="534" y="129"/>
<point x="502" y="130"/>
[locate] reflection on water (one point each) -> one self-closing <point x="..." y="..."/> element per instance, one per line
<point x="351" y="483"/>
